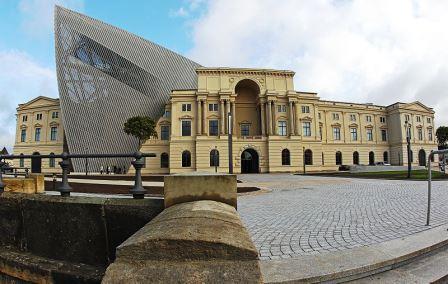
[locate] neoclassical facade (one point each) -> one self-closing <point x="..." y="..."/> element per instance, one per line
<point x="278" y="129"/>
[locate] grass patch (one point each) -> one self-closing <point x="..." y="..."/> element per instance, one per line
<point x="415" y="175"/>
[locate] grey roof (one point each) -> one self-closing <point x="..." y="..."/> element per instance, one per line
<point x="107" y="75"/>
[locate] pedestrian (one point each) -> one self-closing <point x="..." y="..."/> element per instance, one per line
<point x="101" y="170"/>
<point x="108" y="170"/>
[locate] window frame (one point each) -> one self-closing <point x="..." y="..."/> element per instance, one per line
<point x="282" y="128"/>
<point x="182" y="128"/>
<point x="286" y="157"/>
<point x="306" y="128"/>
<point x="54" y="133"/>
<point x="186" y="107"/>
<point x="369" y="134"/>
<point x="186" y="159"/>
<point x="23" y="136"/>
<point x="163" y="133"/>
<point x="37" y="134"/>
<point x="214" y="127"/>
<point x="354" y="130"/>
<point x="242" y="129"/>
<point x="336" y="133"/>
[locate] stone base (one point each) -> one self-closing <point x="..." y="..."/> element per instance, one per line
<point x="21" y="185"/>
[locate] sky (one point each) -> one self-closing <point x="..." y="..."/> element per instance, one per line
<point x="366" y="51"/>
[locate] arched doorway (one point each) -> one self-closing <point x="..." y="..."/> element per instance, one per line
<point x="248" y="113"/>
<point x="355" y="158"/>
<point x="422" y="158"/>
<point x="338" y="158"/>
<point x="386" y="157"/>
<point x="249" y="161"/>
<point x="308" y="157"/>
<point x="371" y="158"/>
<point x="36" y="163"/>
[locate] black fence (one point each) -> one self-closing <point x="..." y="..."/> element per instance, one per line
<point x="138" y="191"/>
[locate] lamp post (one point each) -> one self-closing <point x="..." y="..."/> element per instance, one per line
<point x="215" y="159"/>
<point x="303" y="151"/>
<point x="229" y="127"/>
<point x="87" y="163"/>
<point x="408" y="142"/>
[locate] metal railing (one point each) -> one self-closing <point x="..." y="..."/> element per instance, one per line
<point x="430" y="157"/>
<point x="138" y="191"/>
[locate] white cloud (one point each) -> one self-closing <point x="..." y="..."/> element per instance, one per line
<point x="22" y="79"/>
<point x="37" y="15"/>
<point x="363" y="51"/>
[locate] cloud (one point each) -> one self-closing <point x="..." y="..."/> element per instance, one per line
<point x="361" y="51"/>
<point x="22" y="79"/>
<point x="37" y="15"/>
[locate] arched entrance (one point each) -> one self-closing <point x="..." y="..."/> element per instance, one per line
<point x="36" y="163"/>
<point x="371" y="158"/>
<point x="422" y="158"/>
<point x="355" y="158"/>
<point x="249" y="161"/>
<point x="248" y="113"/>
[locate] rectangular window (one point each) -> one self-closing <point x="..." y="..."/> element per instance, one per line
<point x="306" y="128"/>
<point x="430" y="134"/>
<point x="25" y="118"/>
<point x="165" y="132"/>
<point x="369" y="134"/>
<point x="282" y="128"/>
<point x="54" y="134"/>
<point x="420" y="134"/>
<point x="55" y="114"/>
<point x="383" y="134"/>
<point x="368" y="118"/>
<point x="319" y="115"/>
<point x="320" y="132"/>
<point x="352" y="117"/>
<point x="305" y="109"/>
<point x="213" y="128"/>
<point x="354" y="134"/>
<point x="406" y="117"/>
<point x="336" y="133"/>
<point x="281" y="108"/>
<point x="212" y="107"/>
<point x="186" y="107"/>
<point x="39" y="116"/>
<point x="23" y="135"/>
<point x="186" y="127"/>
<point x="37" y="134"/>
<point x="419" y="119"/>
<point x="245" y="129"/>
<point x="335" y="116"/>
<point x="382" y="119"/>
<point x="428" y="120"/>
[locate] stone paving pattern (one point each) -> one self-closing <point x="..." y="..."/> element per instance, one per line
<point x="305" y="215"/>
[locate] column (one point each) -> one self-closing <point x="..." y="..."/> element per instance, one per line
<point x="269" y="117"/>
<point x="233" y="117"/>
<point x="291" y="119"/>
<point x="227" y="115"/>
<point x="262" y="114"/>
<point x="199" y="118"/>
<point x="297" y="118"/>
<point x="223" y="118"/>
<point x="204" y="121"/>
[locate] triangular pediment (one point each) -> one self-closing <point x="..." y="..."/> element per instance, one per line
<point x="40" y="101"/>
<point x="417" y="106"/>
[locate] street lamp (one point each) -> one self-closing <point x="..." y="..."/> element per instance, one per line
<point x="229" y="127"/>
<point x="408" y="142"/>
<point x="87" y="163"/>
<point x="304" y="163"/>
<point x="215" y="159"/>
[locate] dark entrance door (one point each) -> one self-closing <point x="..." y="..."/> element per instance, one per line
<point x="371" y="158"/>
<point x="36" y="163"/>
<point x="249" y="161"/>
<point x="422" y="158"/>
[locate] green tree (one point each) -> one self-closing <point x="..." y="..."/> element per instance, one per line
<point x="442" y="136"/>
<point x="141" y="127"/>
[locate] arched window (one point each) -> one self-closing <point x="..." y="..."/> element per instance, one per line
<point x="21" y="161"/>
<point x="164" y="160"/>
<point x="371" y="158"/>
<point x="286" y="159"/>
<point x="422" y="158"/>
<point x="186" y="159"/>
<point x="214" y="158"/>
<point x="308" y="157"/>
<point x="52" y="161"/>
<point x="386" y="157"/>
<point x="338" y="158"/>
<point x="355" y="158"/>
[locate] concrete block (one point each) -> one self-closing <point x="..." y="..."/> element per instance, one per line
<point x="200" y="186"/>
<point x="39" y="182"/>
<point x="21" y="185"/>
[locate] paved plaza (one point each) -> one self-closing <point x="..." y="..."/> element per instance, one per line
<point x="304" y="215"/>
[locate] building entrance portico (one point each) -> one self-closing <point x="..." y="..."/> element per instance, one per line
<point x="250" y="161"/>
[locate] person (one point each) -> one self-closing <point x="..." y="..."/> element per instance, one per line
<point x="108" y="170"/>
<point x="101" y="170"/>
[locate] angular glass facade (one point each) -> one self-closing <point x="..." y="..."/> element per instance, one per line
<point x="107" y="75"/>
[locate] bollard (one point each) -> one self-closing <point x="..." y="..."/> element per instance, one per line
<point x="2" y="185"/>
<point x="65" y="188"/>
<point x="15" y="173"/>
<point x="27" y="173"/>
<point x="138" y="192"/>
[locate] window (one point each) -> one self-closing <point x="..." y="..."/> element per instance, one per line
<point x="309" y="157"/>
<point x="352" y="117"/>
<point x="23" y="135"/>
<point x="382" y="119"/>
<point x="430" y="134"/>
<point x="420" y="134"/>
<point x="55" y="114"/>
<point x="167" y="114"/>
<point x="52" y="161"/>
<point x="286" y="159"/>
<point x="354" y="134"/>
<point x="306" y="128"/>
<point x="54" y="134"/>
<point x="39" y="116"/>
<point x="335" y="116"/>
<point x="186" y="107"/>
<point x="338" y="158"/>
<point x="213" y="128"/>
<point x="186" y="159"/>
<point x="368" y="118"/>
<point x="406" y="117"/>
<point x="212" y="107"/>
<point x="419" y="119"/>
<point x="336" y="133"/>
<point x="305" y="109"/>
<point x="319" y="115"/>
<point x="386" y="157"/>
<point x="37" y="134"/>
<point x="282" y="128"/>
<point x="214" y="158"/>
<point x="25" y="118"/>
<point x="371" y="158"/>
<point x="355" y="158"/>
<point x="245" y="129"/>
<point x="164" y="160"/>
<point x="186" y="127"/>
<point x="323" y="161"/>
<point x="165" y="132"/>
<point x="369" y="134"/>
<point x="320" y="132"/>
<point x="383" y="135"/>
<point x="428" y="120"/>
<point x="21" y="161"/>
<point x="281" y="108"/>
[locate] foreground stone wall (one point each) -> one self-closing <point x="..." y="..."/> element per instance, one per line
<point x="34" y="184"/>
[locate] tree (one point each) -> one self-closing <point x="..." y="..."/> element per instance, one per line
<point x="141" y="127"/>
<point x="442" y="136"/>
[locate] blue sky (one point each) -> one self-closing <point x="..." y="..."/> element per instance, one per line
<point x="377" y="51"/>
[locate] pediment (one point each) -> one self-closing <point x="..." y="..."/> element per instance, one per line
<point x="40" y="101"/>
<point x="369" y="126"/>
<point x="37" y="125"/>
<point x="213" y="116"/>
<point x="186" y="117"/>
<point x="417" y="106"/>
<point x="353" y="125"/>
<point x="307" y="118"/>
<point x="336" y="124"/>
<point x="54" y="123"/>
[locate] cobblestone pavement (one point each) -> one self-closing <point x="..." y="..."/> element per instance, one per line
<point x="305" y="215"/>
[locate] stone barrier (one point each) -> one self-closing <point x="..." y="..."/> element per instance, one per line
<point x="194" y="242"/>
<point x="34" y="184"/>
